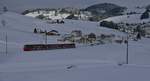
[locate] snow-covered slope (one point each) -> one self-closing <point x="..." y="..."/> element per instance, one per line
<point x="24" y="24"/>
<point x="19" y="30"/>
<point x="135" y="18"/>
<point x="84" y="63"/>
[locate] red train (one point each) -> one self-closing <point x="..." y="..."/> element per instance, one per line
<point x="36" y="47"/>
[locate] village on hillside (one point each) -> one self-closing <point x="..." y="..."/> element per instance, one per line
<point x="135" y="31"/>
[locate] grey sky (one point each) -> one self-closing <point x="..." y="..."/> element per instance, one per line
<point x="20" y="5"/>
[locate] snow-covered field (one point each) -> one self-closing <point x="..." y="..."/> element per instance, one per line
<point x="19" y="31"/>
<point x="84" y="63"/>
<point x="102" y="72"/>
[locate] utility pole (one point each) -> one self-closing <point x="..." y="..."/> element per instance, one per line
<point x="3" y="22"/>
<point x="6" y="39"/>
<point x="127" y="50"/>
<point x="45" y="37"/>
<point x="127" y="44"/>
<point x="127" y="47"/>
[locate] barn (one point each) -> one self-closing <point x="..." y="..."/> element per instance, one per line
<point x="53" y="33"/>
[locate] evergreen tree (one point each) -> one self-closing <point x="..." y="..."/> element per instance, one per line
<point x="5" y="9"/>
<point x="138" y="28"/>
<point x="35" y="30"/>
<point x="3" y="22"/>
<point x="138" y="36"/>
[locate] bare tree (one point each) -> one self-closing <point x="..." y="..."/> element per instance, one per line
<point x="3" y="22"/>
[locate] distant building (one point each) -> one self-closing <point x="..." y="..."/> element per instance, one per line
<point x="53" y="33"/>
<point x="76" y="33"/>
<point x="91" y="37"/>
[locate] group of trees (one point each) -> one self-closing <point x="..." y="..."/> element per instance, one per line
<point x="26" y="12"/>
<point x="40" y="16"/>
<point x="36" y="10"/>
<point x="109" y="24"/>
<point x="36" y="30"/>
<point x="145" y="15"/>
<point x="139" y="31"/>
<point x="105" y="10"/>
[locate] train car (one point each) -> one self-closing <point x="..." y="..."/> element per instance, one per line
<point x="36" y="47"/>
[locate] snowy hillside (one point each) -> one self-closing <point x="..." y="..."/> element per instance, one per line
<point x="20" y="31"/>
<point x="83" y="63"/>
<point x="128" y="19"/>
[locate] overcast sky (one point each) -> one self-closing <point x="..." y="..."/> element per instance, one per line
<point x="20" y="5"/>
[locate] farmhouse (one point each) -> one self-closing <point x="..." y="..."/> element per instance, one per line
<point x="147" y="31"/>
<point x="53" y="33"/>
